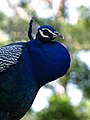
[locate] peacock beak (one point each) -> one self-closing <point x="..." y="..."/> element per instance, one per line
<point x="57" y="34"/>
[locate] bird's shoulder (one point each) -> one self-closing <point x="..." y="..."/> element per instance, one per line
<point x="10" y="54"/>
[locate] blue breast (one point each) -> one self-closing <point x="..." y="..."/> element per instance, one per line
<point x="38" y="64"/>
<point x="49" y="61"/>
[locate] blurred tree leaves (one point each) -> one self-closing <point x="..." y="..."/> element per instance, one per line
<point x="59" y="109"/>
<point x="15" y="27"/>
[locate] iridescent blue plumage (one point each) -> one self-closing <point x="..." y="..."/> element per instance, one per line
<point x="27" y="66"/>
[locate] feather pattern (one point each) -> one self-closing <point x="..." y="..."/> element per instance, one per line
<point x="9" y="56"/>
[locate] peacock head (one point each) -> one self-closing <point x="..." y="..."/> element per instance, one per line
<point x="47" y="33"/>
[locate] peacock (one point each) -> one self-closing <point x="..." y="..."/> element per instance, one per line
<point x="26" y="66"/>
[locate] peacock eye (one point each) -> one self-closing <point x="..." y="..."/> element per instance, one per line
<point x="45" y="32"/>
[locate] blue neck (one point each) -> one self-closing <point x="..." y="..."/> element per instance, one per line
<point x="49" y="60"/>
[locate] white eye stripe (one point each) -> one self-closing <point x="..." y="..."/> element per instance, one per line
<point x="41" y="32"/>
<point x="49" y="31"/>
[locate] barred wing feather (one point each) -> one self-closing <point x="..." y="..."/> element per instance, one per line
<point x="9" y="55"/>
